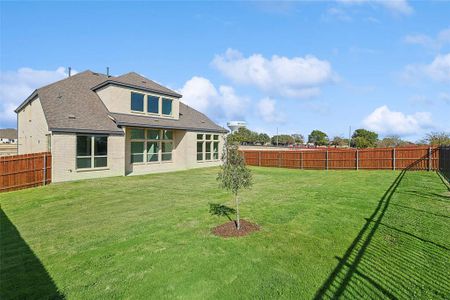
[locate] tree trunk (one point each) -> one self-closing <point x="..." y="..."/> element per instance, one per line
<point x="238" y="222"/>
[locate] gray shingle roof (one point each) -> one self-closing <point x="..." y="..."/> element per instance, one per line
<point x="72" y="105"/>
<point x="135" y="80"/>
<point x="190" y="119"/>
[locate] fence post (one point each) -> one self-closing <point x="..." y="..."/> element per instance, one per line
<point x="44" y="181"/>
<point x="301" y="159"/>
<point x="326" y="158"/>
<point x="259" y="158"/>
<point x="279" y="159"/>
<point x="429" y="158"/>
<point x="393" y="159"/>
<point x="357" y="160"/>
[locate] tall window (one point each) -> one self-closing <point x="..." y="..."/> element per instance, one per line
<point x="137" y="102"/>
<point x="151" y="145"/>
<point x="207" y="147"/>
<point x="92" y="151"/>
<point x="152" y="104"/>
<point x="166" y="106"/>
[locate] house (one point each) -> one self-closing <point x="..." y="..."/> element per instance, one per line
<point x="97" y="125"/>
<point x="8" y="136"/>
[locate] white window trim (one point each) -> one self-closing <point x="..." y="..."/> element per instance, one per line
<point x="160" y="100"/>
<point x="204" y="141"/>
<point x="159" y="141"/>
<point x="92" y="156"/>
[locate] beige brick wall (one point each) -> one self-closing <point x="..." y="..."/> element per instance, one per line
<point x="118" y="99"/>
<point x="32" y="129"/>
<point x="64" y="158"/>
<point x="184" y="155"/>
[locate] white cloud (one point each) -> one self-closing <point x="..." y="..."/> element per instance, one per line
<point x="444" y="97"/>
<point x="438" y="70"/>
<point x="435" y="43"/>
<point x="401" y="7"/>
<point x="338" y="14"/>
<point x="268" y="112"/>
<point x="297" y="77"/>
<point x="384" y="121"/>
<point x="16" y="86"/>
<point x="221" y="104"/>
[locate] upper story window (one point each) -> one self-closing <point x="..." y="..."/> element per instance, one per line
<point x="92" y="151"/>
<point x="166" y="106"/>
<point x="137" y="102"/>
<point x="154" y="105"/>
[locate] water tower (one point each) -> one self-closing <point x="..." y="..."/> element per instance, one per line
<point x="235" y="125"/>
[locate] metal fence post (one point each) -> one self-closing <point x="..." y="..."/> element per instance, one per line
<point x="357" y="160"/>
<point x="429" y="158"/>
<point x="393" y="159"/>
<point x="44" y="181"/>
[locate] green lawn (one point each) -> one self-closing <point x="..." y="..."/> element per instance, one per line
<point x="356" y="234"/>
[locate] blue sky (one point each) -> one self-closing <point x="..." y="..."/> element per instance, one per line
<point x="295" y="66"/>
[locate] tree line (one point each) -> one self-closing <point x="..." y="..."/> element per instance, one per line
<point x="361" y="138"/>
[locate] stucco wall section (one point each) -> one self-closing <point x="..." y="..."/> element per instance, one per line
<point x="64" y="158"/>
<point x="32" y="129"/>
<point x="118" y="100"/>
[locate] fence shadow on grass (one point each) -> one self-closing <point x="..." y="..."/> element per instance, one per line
<point x="393" y="264"/>
<point x="22" y="275"/>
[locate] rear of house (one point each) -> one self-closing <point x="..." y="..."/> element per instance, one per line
<point x="97" y="125"/>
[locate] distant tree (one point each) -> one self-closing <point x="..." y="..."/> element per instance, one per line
<point x="298" y="138"/>
<point x="234" y="175"/>
<point x="244" y="135"/>
<point x="436" y="139"/>
<point x="318" y="138"/>
<point x="283" y="139"/>
<point x="263" y="138"/>
<point x="363" y="138"/>
<point x="339" y="142"/>
<point x="392" y="141"/>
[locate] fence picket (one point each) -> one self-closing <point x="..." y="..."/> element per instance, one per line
<point x="25" y="170"/>
<point x="413" y="158"/>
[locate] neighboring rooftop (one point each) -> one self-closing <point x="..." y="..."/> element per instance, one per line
<point x="72" y="105"/>
<point x="8" y="133"/>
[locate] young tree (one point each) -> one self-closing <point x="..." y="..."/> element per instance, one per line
<point x="318" y="138"/>
<point x="363" y="138"/>
<point x="234" y="175"/>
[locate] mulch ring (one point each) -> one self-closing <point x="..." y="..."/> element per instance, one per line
<point x="229" y="229"/>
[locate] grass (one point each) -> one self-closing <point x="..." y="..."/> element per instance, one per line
<point x="324" y="234"/>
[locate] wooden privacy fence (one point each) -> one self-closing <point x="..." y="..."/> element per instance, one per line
<point x="412" y="158"/>
<point x="27" y="170"/>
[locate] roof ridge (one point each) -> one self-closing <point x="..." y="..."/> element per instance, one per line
<point x="68" y="77"/>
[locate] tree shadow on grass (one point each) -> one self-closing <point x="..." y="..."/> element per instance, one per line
<point x="22" y="275"/>
<point x="386" y="262"/>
